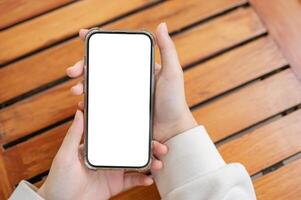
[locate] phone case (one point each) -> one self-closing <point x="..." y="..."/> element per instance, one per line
<point x="94" y="30"/>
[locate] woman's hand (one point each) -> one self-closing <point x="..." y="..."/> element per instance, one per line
<point x="69" y="178"/>
<point x="172" y="115"/>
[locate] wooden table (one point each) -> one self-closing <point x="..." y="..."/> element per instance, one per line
<point x="241" y="64"/>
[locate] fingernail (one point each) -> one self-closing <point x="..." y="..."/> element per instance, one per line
<point x="165" y="149"/>
<point x="68" y="70"/>
<point x="76" y="89"/>
<point x="164" y="27"/>
<point x="82" y="30"/>
<point x="81" y="104"/>
<point x="148" y="181"/>
<point x="77" y="63"/>
<point x="73" y="89"/>
<point x="160" y="166"/>
<point x="76" y="114"/>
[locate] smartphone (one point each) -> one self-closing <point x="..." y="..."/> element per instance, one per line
<point x="119" y="97"/>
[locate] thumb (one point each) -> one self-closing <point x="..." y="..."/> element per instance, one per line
<point x="168" y="52"/>
<point x="74" y="134"/>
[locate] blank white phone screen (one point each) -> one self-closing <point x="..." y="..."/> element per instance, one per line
<point x="119" y="98"/>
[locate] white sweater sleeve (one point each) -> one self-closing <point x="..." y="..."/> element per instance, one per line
<point x="25" y="191"/>
<point x="193" y="169"/>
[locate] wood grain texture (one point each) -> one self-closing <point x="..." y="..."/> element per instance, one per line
<point x="266" y="145"/>
<point x="176" y="13"/>
<point x="231" y="69"/>
<point x="283" y="183"/>
<point x="52" y="61"/>
<point x="30" y="158"/>
<point x="56" y="105"/>
<point x="14" y="11"/>
<point x="50" y="28"/>
<point x="29" y="73"/>
<point x="1" y="195"/>
<point x="38" y="112"/>
<point x="5" y="184"/>
<point x="205" y="40"/>
<point x="249" y="105"/>
<point x="282" y="18"/>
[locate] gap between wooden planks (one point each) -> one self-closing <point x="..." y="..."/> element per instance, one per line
<point x="283" y="183"/>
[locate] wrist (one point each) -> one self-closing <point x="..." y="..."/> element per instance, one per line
<point x="186" y="122"/>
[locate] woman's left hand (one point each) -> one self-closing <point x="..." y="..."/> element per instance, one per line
<point x="69" y="178"/>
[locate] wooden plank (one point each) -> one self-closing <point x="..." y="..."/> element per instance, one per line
<point x="59" y="24"/>
<point x="206" y="40"/>
<point x="283" y="183"/>
<point x="19" y="113"/>
<point x="250" y="105"/>
<point x="38" y="112"/>
<point x="282" y="18"/>
<point x="20" y="10"/>
<point x="5" y="184"/>
<point x="1" y="195"/>
<point x="266" y="145"/>
<point x="231" y="69"/>
<point x="51" y="62"/>
<point x="30" y="158"/>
